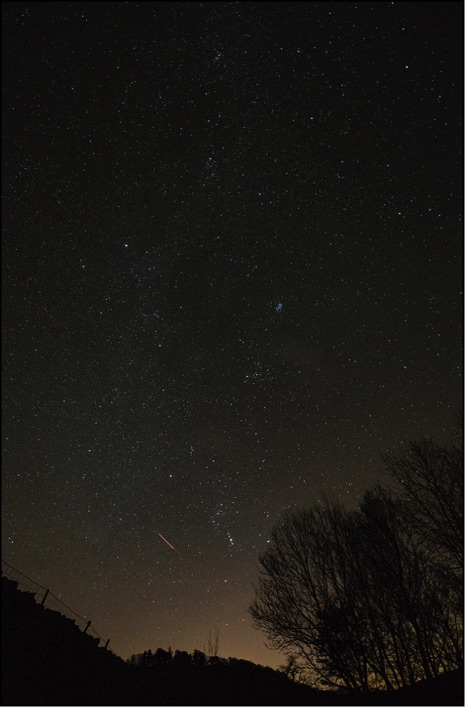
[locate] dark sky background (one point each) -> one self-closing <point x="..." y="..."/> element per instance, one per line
<point x="232" y="277"/>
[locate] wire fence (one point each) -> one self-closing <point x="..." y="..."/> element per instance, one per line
<point x="46" y="598"/>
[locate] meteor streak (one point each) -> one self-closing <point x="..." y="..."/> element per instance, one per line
<point x="166" y="541"/>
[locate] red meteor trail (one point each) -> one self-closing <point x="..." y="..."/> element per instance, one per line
<point x="166" y="541"/>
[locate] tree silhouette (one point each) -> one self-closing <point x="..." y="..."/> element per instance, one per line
<point x="291" y="668"/>
<point x="430" y="482"/>
<point x="199" y="658"/>
<point x="369" y="598"/>
<point x="162" y="657"/>
<point x="182" y="658"/>
<point x="213" y="643"/>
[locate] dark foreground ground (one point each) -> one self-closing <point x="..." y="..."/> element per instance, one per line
<point x="47" y="660"/>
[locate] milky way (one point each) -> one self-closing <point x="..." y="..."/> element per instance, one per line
<point x="232" y="279"/>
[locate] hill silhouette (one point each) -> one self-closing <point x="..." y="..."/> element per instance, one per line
<point x="48" y="660"/>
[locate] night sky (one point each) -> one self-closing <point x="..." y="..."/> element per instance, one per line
<point x="232" y="279"/>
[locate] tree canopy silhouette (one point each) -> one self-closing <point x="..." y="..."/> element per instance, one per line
<point x="372" y="598"/>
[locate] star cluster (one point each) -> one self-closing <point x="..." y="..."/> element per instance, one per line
<point x="232" y="278"/>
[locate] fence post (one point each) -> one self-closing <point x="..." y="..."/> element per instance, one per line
<point x="44" y="598"/>
<point x="106" y="644"/>
<point x="88" y="624"/>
